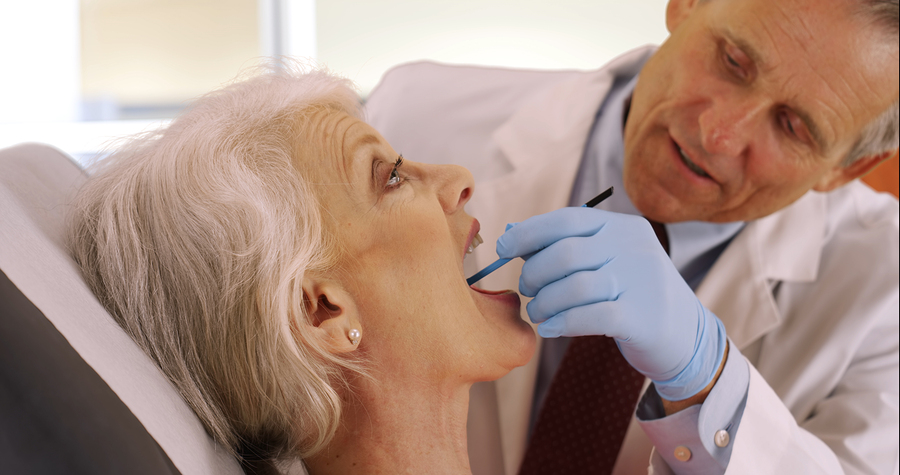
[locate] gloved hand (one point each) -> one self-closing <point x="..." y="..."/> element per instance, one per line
<point x="593" y="272"/>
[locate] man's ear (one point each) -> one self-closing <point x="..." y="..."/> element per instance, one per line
<point x="333" y="314"/>
<point x="677" y="11"/>
<point x="841" y="175"/>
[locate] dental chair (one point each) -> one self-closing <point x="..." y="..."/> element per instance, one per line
<point x="77" y="396"/>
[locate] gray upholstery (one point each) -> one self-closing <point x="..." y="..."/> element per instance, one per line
<point x="36" y="182"/>
<point x="56" y="414"/>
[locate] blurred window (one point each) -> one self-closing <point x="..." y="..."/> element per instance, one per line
<point x="145" y="59"/>
<point x="78" y="73"/>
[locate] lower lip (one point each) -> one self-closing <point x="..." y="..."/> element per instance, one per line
<point x="505" y="296"/>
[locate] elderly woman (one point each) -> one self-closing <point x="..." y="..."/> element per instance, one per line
<point x="298" y="281"/>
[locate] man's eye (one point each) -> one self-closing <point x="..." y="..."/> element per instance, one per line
<point x="735" y="67"/>
<point x="735" y="62"/>
<point x="731" y="61"/>
<point x="787" y="124"/>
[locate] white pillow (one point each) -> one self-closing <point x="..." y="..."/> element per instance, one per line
<point x="36" y="184"/>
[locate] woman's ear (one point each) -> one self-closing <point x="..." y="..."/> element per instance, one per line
<point x="333" y="315"/>
<point x="841" y="175"/>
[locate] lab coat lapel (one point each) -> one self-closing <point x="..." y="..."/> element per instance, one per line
<point x="544" y="142"/>
<point x="739" y="286"/>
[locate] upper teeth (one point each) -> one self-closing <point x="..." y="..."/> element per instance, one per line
<point x="476" y="241"/>
<point x="693" y="166"/>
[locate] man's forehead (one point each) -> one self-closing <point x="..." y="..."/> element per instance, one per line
<point x="815" y="56"/>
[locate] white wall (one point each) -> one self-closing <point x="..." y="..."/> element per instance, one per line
<point x="361" y="39"/>
<point x="40" y="74"/>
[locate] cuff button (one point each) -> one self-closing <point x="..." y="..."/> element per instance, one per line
<point x="722" y="438"/>
<point x="682" y="453"/>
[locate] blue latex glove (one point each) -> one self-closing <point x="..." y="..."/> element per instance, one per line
<point x="593" y="272"/>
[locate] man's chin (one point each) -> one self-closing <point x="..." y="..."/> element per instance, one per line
<point x="656" y="204"/>
<point x="665" y="208"/>
<point x="670" y="203"/>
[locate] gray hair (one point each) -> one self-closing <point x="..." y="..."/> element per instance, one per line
<point x="880" y="135"/>
<point x="883" y="133"/>
<point x="196" y="239"/>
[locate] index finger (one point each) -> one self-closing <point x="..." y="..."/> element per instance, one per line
<point x="538" y="232"/>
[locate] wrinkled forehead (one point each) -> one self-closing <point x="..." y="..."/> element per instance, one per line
<point x="323" y="142"/>
<point x="826" y="32"/>
<point x="332" y="151"/>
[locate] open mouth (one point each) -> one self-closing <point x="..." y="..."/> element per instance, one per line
<point x="476" y="241"/>
<point x="691" y="165"/>
<point x="506" y="296"/>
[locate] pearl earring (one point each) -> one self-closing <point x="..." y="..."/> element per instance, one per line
<point x="354" y="335"/>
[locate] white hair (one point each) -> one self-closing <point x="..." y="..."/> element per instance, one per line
<point x="880" y="135"/>
<point x="196" y="239"/>
<point x="883" y="133"/>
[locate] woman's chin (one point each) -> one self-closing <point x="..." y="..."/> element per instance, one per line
<point x="528" y="345"/>
<point x="521" y="349"/>
<point x="502" y="310"/>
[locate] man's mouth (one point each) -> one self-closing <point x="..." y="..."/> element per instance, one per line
<point x="693" y="166"/>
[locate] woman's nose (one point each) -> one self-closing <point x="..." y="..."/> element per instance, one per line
<point x="727" y="126"/>
<point x="455" y="187"/>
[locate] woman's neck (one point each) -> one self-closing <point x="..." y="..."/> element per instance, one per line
<point x="399" y="427"/>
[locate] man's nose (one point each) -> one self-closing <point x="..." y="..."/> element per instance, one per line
<point x="727" y="126"/>
<point x="455" y="187"/>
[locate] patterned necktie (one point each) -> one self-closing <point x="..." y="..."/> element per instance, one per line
<point x="583" y="420"/>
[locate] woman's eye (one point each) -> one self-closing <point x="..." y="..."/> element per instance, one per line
<point x="395" y="179"/>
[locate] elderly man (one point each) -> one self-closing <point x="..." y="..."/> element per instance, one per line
<point x="769" y="333"/>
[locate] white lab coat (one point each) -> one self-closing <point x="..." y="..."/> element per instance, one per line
<point x="809" y="294"/>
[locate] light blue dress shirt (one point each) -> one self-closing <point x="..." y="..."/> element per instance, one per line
<point x="694" y="246"/>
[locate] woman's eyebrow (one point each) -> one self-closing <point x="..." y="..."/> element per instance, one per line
<point x="353" y="160"/>
<point x="366" y="139"/>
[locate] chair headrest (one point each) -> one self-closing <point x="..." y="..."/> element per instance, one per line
<point x="36" y="184"/>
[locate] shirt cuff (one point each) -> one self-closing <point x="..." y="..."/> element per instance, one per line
<point x="699" y="439"/>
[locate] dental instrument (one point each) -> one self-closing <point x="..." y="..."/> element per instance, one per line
<point x="500" y="262"/>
